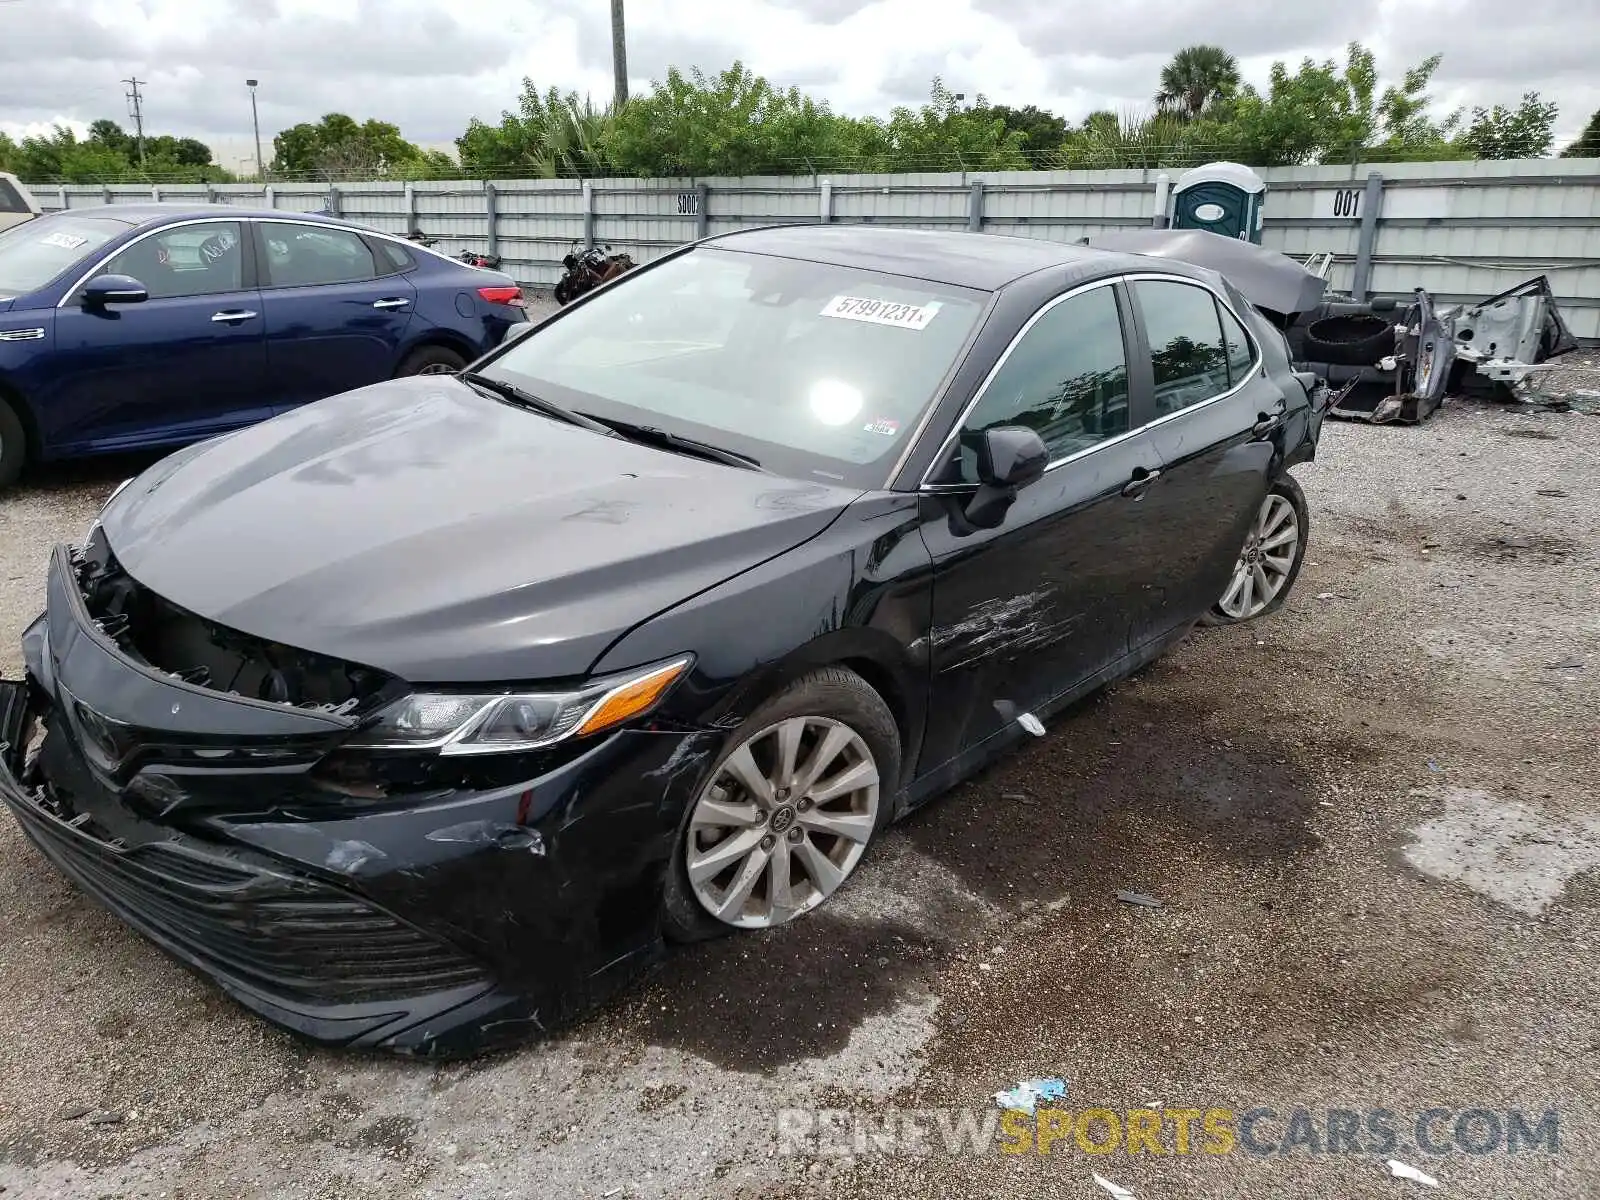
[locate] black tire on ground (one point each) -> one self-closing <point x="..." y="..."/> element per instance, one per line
<point x="1351" y="339"/>
<point x="834" y="692"/>
<point x="13" y="445"/>
<point x="431" y="360"/>
<point x="1289" y="488"/>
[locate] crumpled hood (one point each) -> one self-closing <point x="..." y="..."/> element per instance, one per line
<point x="423" y="528"/>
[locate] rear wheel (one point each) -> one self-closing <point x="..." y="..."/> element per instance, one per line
<point x="13" y="445"/>
<point x="1270" y="560"/>
<point x="431" y="360"/>
<point x="787" y="813"/>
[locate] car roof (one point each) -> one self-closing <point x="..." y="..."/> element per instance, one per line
<point x="988" y="261"/>
<point x="154" y="213"/>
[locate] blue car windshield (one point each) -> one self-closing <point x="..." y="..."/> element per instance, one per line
<point x="818" y="371"/>
<point x="35" y="252"/>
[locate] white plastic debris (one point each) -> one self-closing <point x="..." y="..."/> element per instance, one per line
<point x="1032" y="724"/>
<point x="1029" y="1093"/>
<point x="1401" y="1171"/>
<point x="1115" y="1190"/>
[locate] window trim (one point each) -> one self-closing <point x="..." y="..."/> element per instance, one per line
<point x="266" y="283"/>
<point x="925" y="485"/>
<point x="252" y="221"/>
<point x="247" y="265"/>
<point x="1256" y="361"/>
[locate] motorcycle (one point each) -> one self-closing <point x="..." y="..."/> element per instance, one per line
<point x="472" y="258"/>
<point x="585" y="270"/>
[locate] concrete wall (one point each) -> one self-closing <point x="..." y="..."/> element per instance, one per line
<point x="1462" y="230"/>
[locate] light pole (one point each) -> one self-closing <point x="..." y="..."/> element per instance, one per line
<point x="261" y="172"/>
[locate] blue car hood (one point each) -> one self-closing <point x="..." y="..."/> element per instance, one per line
<point x="423" y="528"/>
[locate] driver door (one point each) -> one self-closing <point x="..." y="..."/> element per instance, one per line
<point x="187" y="363"/>
<point x="1024" y="613"/>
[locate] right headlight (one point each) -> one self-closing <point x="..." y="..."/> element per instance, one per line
<point x="499" y="723"/>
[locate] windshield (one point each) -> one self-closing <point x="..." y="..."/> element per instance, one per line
<point x="35" y="252"/>
<point x="817" y="371"/>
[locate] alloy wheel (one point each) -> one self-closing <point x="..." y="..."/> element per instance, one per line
<point x="783" y="822"/>
<point x="1266" y="560"/>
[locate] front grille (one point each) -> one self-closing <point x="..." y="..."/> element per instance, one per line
<point x="292" y="938"/>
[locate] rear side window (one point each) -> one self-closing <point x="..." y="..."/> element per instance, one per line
<point x="1066" y="378"/>
<point x="392" y="258"/>
<point x="11" y="200"/>
<point x="1186" y="347"/>
<point x="1241" y="354"/>
<point x="305" y="255"/>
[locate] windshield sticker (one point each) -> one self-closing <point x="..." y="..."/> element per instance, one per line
<point x="64" y="241"/>
<point x="883" y="425"/>
<point x="881" y="312"/>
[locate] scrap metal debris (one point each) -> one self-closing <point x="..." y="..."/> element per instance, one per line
<point x="1401" y="1171"/>
<point x="1115" y="1190"/>
<point x="1030" y="1093"/>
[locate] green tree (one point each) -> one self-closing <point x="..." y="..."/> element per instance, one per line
<point x="1527" y="131"/>
<point x="339" y="147"/>
<point x="943" y="136"/>
<point x="735" y="123"/>
<point x="1197" y="78"/>
<point x="1041" y="129"/>
<point x="1587" y="145"/>
<point x="550" y="135"/>
<point x="1325" y="112"/>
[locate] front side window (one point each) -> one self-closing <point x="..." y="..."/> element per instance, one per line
<point x="816" y="370"/>
<point x="305" y="255"/>
<point x="189" y="260"/>
<point x="1066" y="378"/>
<point x="35" y="252"/>
<point x="1186" y="349"/>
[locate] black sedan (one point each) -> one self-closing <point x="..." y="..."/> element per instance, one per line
<point x="422" y="716"/>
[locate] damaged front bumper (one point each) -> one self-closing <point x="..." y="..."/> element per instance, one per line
<point x="435" y="920"/>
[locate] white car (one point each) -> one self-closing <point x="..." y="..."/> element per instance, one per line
<point x="16" y="204"/>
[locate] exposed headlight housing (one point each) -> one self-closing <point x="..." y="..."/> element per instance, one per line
<point x="499" y="723"/>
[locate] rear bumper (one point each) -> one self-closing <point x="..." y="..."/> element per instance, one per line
<point x="441" y="924"/>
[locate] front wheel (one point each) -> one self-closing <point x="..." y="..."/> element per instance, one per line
<point x="787" y="813"/>
<point x="1270" y="560"/>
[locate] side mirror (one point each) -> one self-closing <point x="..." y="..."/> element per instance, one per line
<point x="114" y="289"/>
<point x="1010" y="457"/>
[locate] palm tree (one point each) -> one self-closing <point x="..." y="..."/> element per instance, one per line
<point x="1195" y="79"/>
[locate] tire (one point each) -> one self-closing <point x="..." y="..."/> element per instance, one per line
<point x="832" y="704"/>
<point x="431" y="360"/>
<point x="1235" y="610"/>
<point x="1351" y="340"/>
<point x="13" y="445"/>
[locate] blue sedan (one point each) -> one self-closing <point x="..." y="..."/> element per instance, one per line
<point x="134" y="326"/>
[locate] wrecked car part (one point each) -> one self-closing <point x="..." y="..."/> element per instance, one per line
<point x="1507" y="335"/>
<point x="1267" y="279"/>
<point x="1353" y="339"/>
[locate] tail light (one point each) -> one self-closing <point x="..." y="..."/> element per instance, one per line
<point x="503" y="295"/>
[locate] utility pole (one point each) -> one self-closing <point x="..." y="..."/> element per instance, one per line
<point x="619" y="57"/>
<point x="255" y="121"/>
<point x="136" y="111"/>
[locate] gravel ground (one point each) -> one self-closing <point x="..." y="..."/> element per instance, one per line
<point x="1371" y="820"/>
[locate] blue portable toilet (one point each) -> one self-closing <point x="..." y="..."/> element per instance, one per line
<point x="1220" y="197"/>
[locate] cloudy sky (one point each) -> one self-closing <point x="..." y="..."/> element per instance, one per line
<point x="429" y="65"/>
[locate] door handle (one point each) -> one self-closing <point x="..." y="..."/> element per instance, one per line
<point x="1266" y="426"/>
<point x="231" y="315"/>
<point x="394" y="302"/>
<point x="1141" y="480"/>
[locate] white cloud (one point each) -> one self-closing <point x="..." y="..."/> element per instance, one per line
<point x="430" y="65"/>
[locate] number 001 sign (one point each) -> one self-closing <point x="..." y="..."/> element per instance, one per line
<point x="1344" y="203"/>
